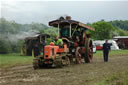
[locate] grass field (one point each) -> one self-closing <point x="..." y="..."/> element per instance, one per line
<point x="17" y="70"/>
<point x="112" y="53"/>
<point x="10" y="60"/>
<point x="115" y="79"/>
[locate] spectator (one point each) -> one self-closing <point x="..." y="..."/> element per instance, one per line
<point x="106" y="49"/>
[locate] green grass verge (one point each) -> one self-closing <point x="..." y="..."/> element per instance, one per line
<point x="112" y="53"/>
<point x="10" y="60"/>
<point x="115" y="79"/>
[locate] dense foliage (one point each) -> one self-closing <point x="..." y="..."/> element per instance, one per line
<point x="103" y="30"/>
<point x="120" y="24"/>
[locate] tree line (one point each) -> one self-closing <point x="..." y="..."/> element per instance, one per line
<point x="107" y="30"/>
<point x="120" y="24"/>
<point x="12" y="33"/>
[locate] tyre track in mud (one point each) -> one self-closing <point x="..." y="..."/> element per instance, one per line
<point x="83" y="74"/>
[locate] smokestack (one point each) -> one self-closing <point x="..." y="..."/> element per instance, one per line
<point x="61" y="18"/>
<point x="68" y="18"/>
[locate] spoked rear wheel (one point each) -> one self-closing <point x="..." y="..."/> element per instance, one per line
<point x="89" y="51"/>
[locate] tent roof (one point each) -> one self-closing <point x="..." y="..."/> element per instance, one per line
<point x="116" y="37"/>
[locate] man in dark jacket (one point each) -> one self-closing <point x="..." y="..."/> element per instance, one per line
<point x="106" y="49"/>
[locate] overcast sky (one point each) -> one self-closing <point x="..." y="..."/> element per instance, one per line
<point x="42" y="11"/>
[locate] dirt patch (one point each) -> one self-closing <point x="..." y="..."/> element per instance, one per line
<point x="83" y="74"/>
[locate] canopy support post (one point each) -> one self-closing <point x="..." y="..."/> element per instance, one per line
<point x="58" y="30"/>
<point x="70" y="29"/>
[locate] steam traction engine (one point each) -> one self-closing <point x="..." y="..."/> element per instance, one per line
<point x="77" y="47"/>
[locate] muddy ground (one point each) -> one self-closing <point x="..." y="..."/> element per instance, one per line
<point x="83" y="74"/>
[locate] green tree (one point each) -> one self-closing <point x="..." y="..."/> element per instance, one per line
<point x="5" y="47"/>
<point x="122" y="32"/>
<point x="103" y="30"/>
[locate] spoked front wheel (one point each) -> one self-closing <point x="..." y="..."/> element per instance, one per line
<point x="78" y="55"/>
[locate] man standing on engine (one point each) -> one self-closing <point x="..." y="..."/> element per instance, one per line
<point x="106" y="49"/>
<point x="58" y="42"/>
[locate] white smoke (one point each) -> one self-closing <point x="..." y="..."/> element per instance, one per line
<point x="31" y="33"/>
<point x="20" y="36"/>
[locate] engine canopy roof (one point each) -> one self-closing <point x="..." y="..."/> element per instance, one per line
<point x="59" y="22"/>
